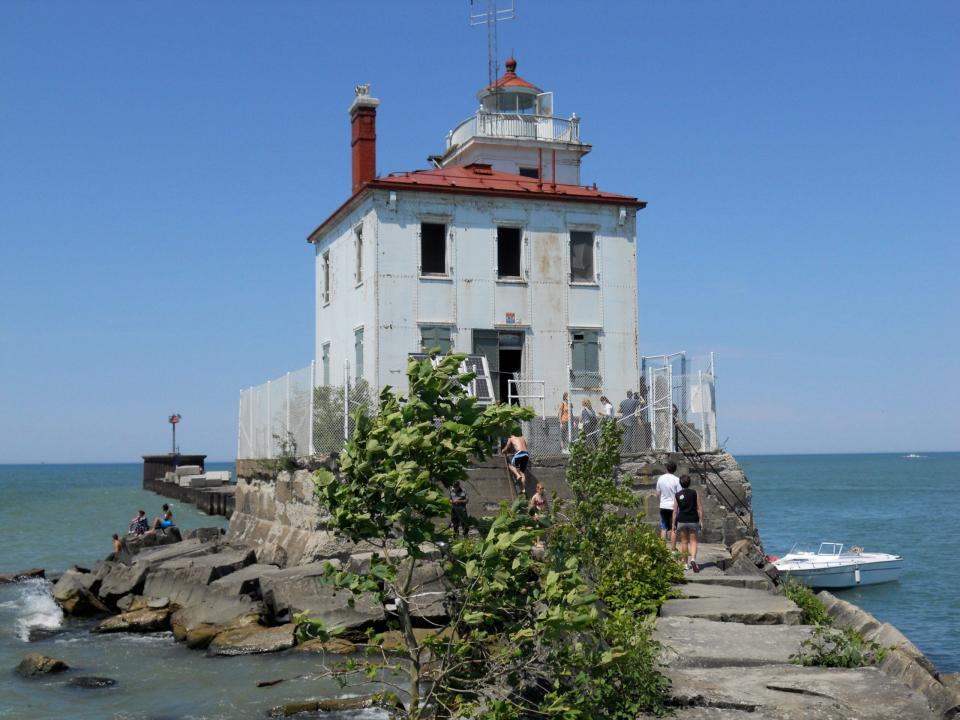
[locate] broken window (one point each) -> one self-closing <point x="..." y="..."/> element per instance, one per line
<point x="325" y="364"/>
<point x="433" y="249"/>
<point x="434" y="337"/>
<point x="358" y="246"/>
<point x="358" y="353"/>
<point x="508" y="252"/>
<point x="581" y="256"/>
<point x="326" y="277"/>
<point x="585" y="358"/>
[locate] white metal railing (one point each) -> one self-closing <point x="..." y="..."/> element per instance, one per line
<point x="515" y="125"/>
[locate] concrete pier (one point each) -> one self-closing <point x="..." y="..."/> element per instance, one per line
<point x="212" y="501"/>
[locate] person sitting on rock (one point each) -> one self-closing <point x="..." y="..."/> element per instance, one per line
<point x="117" y="545"/>
<point x="165" y="520"/>
<point x="139" y="525"/>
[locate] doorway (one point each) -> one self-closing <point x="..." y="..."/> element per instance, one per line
<point x="504" y="353"/>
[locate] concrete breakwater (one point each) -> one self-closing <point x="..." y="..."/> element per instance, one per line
<point x="727" y="642"/>
<point x="210" y="492"/>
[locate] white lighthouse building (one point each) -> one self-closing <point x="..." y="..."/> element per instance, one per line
<point x="498" y="250"/>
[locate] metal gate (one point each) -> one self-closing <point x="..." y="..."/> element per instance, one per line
<point x="660" y="382"/>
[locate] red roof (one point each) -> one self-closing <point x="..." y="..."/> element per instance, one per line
<point x="481" y="179"/>
<point x="511" y="79"/>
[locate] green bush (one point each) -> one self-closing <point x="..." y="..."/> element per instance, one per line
<point x="830" y="647"/>
<point x="814" y="611"/>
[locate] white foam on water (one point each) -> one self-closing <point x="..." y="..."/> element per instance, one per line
<point x="37" y="608"/>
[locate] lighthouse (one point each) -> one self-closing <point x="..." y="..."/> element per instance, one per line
<point x="496" y="250"/>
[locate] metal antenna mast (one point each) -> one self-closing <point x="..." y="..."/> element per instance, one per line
<point x="490" y="16"/>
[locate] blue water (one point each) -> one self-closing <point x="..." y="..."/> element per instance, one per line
<point x="54" y="516"/>
<point x="883" y="503"/>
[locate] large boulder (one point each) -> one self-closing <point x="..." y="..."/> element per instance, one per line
<point x="22" y="575"/>
<point x="137" y="621"/>
<point x="253" y="639"/>
<point x="303" y="590"/>
<point x="35" y="664"/>
<point x="191" y="583"/>
<point x="74" y="594"/>
<point x="154" y="538"/>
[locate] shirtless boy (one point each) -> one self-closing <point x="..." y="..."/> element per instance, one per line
<point x="521" y="458"/>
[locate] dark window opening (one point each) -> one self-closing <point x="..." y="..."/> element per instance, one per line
<point x="504" y="353"/>
<point x="581" y="256"/>
<point x="433" y="249"/>
<point x="508" y="252"/>
<point x="530" y="173"/>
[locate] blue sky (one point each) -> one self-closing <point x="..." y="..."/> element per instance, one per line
<point x="162" y="163"/>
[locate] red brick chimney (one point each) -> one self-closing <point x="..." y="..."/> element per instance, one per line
<point x="363" y="140"/>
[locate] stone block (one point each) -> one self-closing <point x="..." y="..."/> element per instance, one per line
<point x="302" y="590"/>
<point x="253" y="639"/>
<point x="791" y="692"/>
<point x="695" y="642"/>
<point x="189" y="470"/>
<point x="728" y="604"/>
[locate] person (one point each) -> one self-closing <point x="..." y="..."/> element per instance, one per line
<point x="538" y="503"/>
<point x="458" y="509"/>
<point x="139" y="525"/>
<point x="588" y="418"/>
<point x="688" y="522"/>
<point x="668" y="485"/>
<point x="117" y="545"/>
<point x="563" y="413"/>
<point x="628" y="419"/>
<point x="606" y="408"/>
<point x="165" y="520"/>
<point x="521" y="458"/>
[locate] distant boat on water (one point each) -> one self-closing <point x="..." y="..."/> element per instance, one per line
<point x="914" y="455"/>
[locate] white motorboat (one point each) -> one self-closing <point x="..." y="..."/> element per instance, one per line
<point x="831" y="567"/>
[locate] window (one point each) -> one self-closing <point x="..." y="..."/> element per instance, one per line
<point x="581" y="256"/>
<point x="508" y="252"/>
<point x="436" y="336"/>
<point x="433" y="249"/>
<point x="358" y="247"/>
<point x="585" y="358"/>
<point x="325" y="364"/>
<point x="529" y="172"/>
<point x="358" y="353"/>
<point x="326" y="277"/>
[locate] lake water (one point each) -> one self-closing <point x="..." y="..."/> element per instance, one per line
<point x="54" y="516"/>
<point x="883" y="503"/>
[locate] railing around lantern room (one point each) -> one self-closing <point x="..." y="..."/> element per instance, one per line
<point x="515" y="125"/>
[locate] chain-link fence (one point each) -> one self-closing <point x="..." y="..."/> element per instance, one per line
<point x="295" y="416"/>
<point x="671" y="388"/>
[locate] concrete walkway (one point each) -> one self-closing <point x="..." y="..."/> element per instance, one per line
<point x="726" y="651"/>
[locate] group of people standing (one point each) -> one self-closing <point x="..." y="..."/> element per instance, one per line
<point x="588" y="421"/>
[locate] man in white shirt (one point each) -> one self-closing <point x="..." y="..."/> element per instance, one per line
<point x="668" y="485"/>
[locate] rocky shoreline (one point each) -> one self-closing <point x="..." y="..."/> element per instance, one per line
<point x="727" y="640"/>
